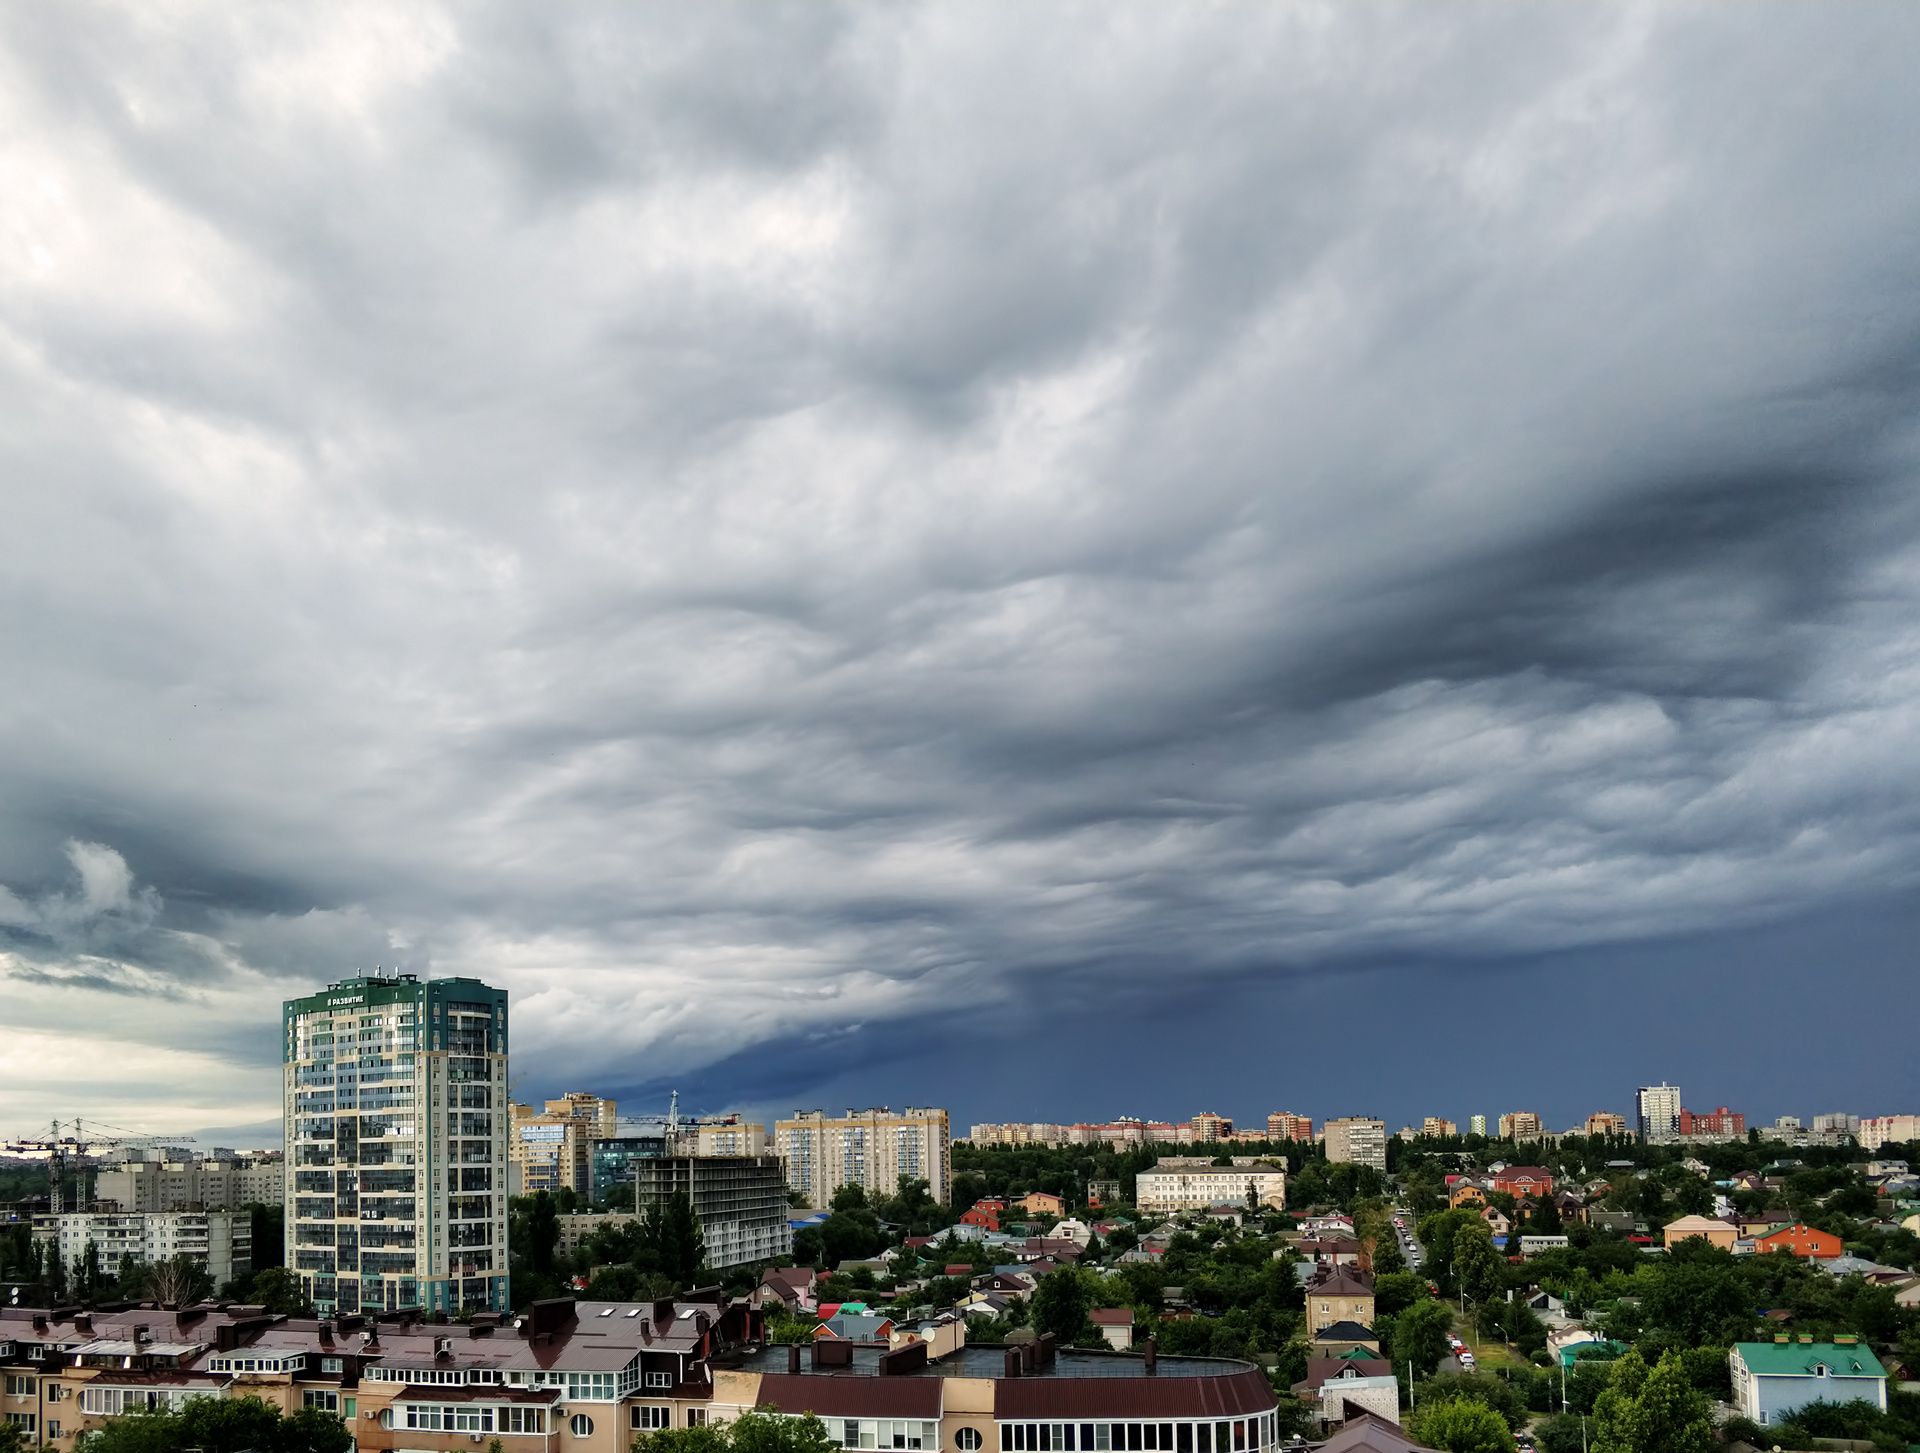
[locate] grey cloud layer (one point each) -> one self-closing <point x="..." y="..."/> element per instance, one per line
<point x="846" y="508"/>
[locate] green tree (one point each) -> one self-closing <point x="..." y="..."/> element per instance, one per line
<point x="1061" y="1303"/>
<point x="12" y="1440"/>
<point x="221" y="1425"/>
<point x="280" y="1292"/>
<point x="1617" y="1425"/>
<point x="1476" y="1265"/>
<point x="1420" y="1337"/>
<point x="1674" y="1414"/>
<point x="760" y="1431"/>
<point x="1460" y="1426"/>
<point x="542" y="1234"/>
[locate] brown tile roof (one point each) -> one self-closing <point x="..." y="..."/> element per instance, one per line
<point x="1233" y="1395"/>
<point x="1111" y="1316"/>
<point x="852" y="1396"/>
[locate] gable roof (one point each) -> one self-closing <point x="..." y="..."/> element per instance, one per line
<point x="1369" y="1433"/>
<point x="1798" y="1359"/>
<point x="1341" y="1281"/>
<point x="1344" y="1332"/>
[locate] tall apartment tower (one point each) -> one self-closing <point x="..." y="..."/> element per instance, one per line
<point x="1476" y="1125"/>
<point x="396" y="1134"/>
<point x="1657" y="1111"/>
<point x="868" y="1148"/>
<point x="1357" y="1139"/>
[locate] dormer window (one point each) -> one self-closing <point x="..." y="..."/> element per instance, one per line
<point x="1819" y="1369"/>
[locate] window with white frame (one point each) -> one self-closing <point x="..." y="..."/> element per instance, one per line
<point x="647" y="1419"/>
<point x="326" y="1399"/>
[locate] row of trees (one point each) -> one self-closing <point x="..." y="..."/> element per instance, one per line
<point x="654" y="1255"/>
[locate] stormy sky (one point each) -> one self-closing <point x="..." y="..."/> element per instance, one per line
<point x="1057" y="560"/>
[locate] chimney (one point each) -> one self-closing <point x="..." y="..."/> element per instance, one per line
<point x="1029" y="1356"/>
<point x="663" y="1312"/>
<point x="1010" y="1364"/>
<point x="83" y="1323"/>
<point x="1044" y="1349"/>
<point x="1151" y="1354"/>
<point x="793" y="1358"/>
<point x="326" y="1334"/>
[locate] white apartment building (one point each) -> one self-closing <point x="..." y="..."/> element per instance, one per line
<point x="192" y="1184"/>
<point x="1194" y="1182"/>
<point x="1657" y="1112"/>
<point x="221" y="1241"/>
<point x="396" y="1141"/>
<point x="871" y="1149"/>
<point x="1882" y="1130"/>
<point x="1357" y="1140"/>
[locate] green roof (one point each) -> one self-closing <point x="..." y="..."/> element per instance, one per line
<point x="1798" y="1359"/>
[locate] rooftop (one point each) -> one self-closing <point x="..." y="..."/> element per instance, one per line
<point x="988" y="1360"/>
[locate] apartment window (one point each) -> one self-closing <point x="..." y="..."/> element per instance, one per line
<point x="19" y="1387"/>
<point x="967" y="1440"/>
<point x="53" y="1427"/>
<point x="23" y="1421"/>
<point x="330" y="1364"/>
<point x="580" y="1425"/>
<point x="523" y="1420"/>
<point x="659" y="1379"/>
<point x="55" y="1392"/>
<point x="647" y="1419"/>
<point x="696" y="1417"/>
<point x="323" y="1398"/>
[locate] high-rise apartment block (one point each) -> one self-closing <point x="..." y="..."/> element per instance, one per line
<point x="396" y="1144"/>
<point x="1719" y="1124"/>
<point x="1207" y="1127"/>
<point x="871" y="1149"/>
<point x="1438" y="1125"/>
<point x="1521" y="1125"/>
<point x="1888" y="1130"/>
<point x="220" y="1241"/>
<point x="1657" y="1111"/>
<point x="1285" y="1125"/>
<point x="1476" y="1125"/>
<point x="1359" y="1140"/>
<point x="1836" y="1126"/>
<point x="740" y="1200"/>
<point x="724" y="1135"/>
<point x="193" y="1184"/>
<point x="1606" y="1122"/>
<point x="547" y="1149"/>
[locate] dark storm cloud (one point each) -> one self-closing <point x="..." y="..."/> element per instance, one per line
<point x="780" y="538"/>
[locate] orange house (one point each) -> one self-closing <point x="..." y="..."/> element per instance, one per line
<point x="1800" y="1240"/>
<point x="1042" y="1203"/>
<point x="984" y="1213"/>
<point x="1524" y="1182"/>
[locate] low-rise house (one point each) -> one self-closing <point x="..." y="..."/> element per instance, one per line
<point x="1467" y="1192"/>
<point x="1496" y="1219"/>
<point x="1042" y="1203"/>
<point x="846" y="1326"/>
<point x="1366" y="1432"/>
<point x="796" y="1288"/>
<point x="1339" y="1338"/>
<point x="1350" y="1391"/>
<point x="1706" y="1228"/>
<point x="1339" y="1294"/>
<point x="1800" y="1240"/>
<point x="1774" y="1379"/>
<point x="1078" y="1232"/>
<point x="1115" y="1324"/>
<point x="1329" y="1251"/>
<point x="1535" y="1244"/>
<point x="985" y="1213"/>
<point x="1524" y="1182"/>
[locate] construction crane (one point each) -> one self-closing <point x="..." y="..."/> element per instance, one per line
<point x="76" y="1149"/>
